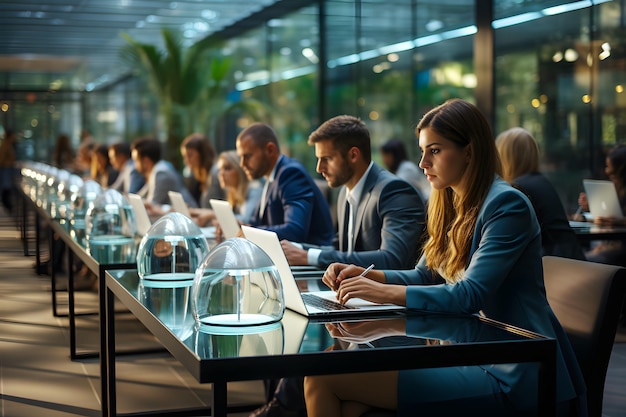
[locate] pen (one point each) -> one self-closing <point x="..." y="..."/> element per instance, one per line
<point x="368" y="269"/>
<point x="579" y="211"/>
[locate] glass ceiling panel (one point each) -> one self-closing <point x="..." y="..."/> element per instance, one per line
<point x="84" y="36"/>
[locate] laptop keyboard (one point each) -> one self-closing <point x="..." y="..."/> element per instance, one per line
<point x="323" y="303"/>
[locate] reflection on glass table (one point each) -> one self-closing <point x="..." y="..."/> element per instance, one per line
<point x="587" y="232"/>
<point x="297" y="334"/>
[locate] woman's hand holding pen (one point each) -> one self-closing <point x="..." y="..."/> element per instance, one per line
<point x="351" y="281"/>
<point x="337" y="272"/>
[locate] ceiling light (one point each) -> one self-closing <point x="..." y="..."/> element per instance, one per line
<point x="571" y="55"/>
<point x="434" y="25"/>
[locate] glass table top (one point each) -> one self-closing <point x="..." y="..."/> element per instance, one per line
<point x="294" y="334"/>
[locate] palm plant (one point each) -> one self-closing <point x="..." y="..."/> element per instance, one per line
<point x="189" y="83"/>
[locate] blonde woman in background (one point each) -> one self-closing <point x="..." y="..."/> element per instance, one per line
<point x="242" y="194"/>
<point x="519" y="154"/>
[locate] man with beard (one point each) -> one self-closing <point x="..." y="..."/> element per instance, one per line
<point x="291" y="204"/>
<point x="380" y="216"/>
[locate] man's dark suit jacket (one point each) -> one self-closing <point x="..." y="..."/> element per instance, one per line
<point x="389" y="223"/>
<point x="295" y="207"/>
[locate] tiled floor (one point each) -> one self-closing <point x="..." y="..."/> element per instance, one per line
<point x="37" y="377"/>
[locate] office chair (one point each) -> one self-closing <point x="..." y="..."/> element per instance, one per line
<point x="587" y="299"/>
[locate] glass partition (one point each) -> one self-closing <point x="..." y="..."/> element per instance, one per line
<point x="556" y="75"/>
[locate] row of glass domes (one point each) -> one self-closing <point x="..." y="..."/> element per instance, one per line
<point x="181" y="280"/>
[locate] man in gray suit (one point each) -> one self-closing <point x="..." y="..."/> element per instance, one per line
<point x="380" y="216"/>
<point x="161" y="177"/>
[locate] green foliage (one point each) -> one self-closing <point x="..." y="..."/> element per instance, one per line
<point x="189" y="83"/>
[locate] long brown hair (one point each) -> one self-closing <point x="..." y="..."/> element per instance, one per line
<point x="452" y="217"/>
<point x="205" y="149"/>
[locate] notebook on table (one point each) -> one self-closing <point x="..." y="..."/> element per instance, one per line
<point x="141" y="214"/>
<point x="602" y="198"/>
<point x="226" y="218"/>
<point x="310" y="304"/>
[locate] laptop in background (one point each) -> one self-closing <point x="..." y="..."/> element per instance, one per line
<point x="178" y="203"/>
<point x="141" y="214"/>
<point x="294" y="299"/>
<point x="602" y="198"/>
<point x="226" y="218"/>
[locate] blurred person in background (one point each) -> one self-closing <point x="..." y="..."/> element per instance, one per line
<point x="63" y="155"/>
<point x="611" y="252"/>
<point x="129" y="179"/>
<point x="161" y="177"/>
<point x="242" y="194"/>
<point x="396" y="160"/>
<point x="101" y="169"/>
<point x="519" y="155"/>
<point x="82" y="163"/>
<point x="7" y="168"/>
<point x="199" y="156"/>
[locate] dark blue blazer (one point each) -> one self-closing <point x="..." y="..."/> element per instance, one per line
<point x="504" y="280"/>
<point x="295" y="207"/>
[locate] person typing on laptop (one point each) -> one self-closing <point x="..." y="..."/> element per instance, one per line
<point x="291" y="204"/>
<point x="611" y="252"/>
<point x="483" y="254"/>
<point x="380" y="216"/>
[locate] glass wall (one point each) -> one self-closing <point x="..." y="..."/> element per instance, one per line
<point x="39" y="118"/>
<point x="557" y="75"/>
<point x="558" y="72"/>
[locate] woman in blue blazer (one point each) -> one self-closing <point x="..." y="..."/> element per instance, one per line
<point x="483" y="255"/>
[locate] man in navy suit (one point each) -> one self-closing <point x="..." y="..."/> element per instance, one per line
<point x="291" y="205"/>
<point x="387" y="212"/>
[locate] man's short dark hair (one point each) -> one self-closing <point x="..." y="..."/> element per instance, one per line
<point x="260" y="133"/>
<point x="344" y="132"/>
<point x="121" y="148"/>
<point x="148" y="147"/>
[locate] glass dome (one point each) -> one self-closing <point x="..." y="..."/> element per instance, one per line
<point x="110" y="229"/>
<point x="236" y="285"/>
<point x="67" y="186"/>
<point x="55" y="184"/>
<point x="171" y="250"/>
<point x="45" y="179"/>
<point x="167" y="258"/>
<point x="82" y="201"/>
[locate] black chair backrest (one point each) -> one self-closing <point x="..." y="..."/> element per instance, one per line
<point x="587" y="299"/>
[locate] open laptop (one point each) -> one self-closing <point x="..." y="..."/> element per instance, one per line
<point x="141" y="214"/>
<point x="308" y="304"/>
<point x="226" y="218"/>
<point x="602" y="198"/>
<point x="179" y="206"/>
<point x="178" y="203"/>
